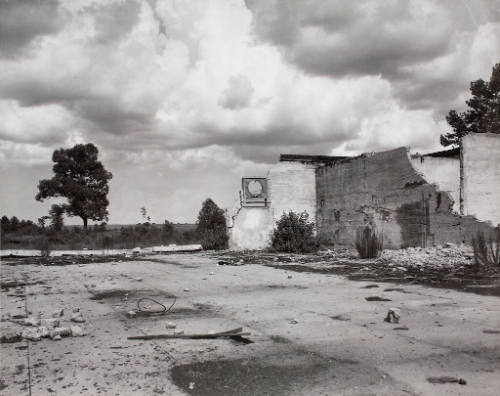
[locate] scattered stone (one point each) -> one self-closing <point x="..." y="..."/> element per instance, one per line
<point x="370" y="286"/>
<point x="76" y="331"/>
<point x="294" y="321"/>
<point x="289" y="276"/>
<point x="58" y="313"/>
<point x="178" y="332"/>
<point x="60" y="331"/>
<point x="76" y="310"/>
<point x="57" y="337"/>
<point x="10" y="337"/>
<point x="401" y="328"/>
<point x="393" y="315"/>
<point x="170" y="325"/>
<point x="191" y="385"/>
<point x="210" y="273"/>
<point x="186" y="289"/>
<point x="487" y="331"/>
<point x="78" y="318"/>
<point x="32" y="334"/>
<point x="446" y="380"/>
<point x="44" y="331"/>
<point x="340" y="317"/>
<point x="139" y="279"/>
<point x="131" y="314"/>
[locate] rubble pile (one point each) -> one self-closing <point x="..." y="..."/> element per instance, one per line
<point x="450" y="256"/>
<point x="36" y="327"/>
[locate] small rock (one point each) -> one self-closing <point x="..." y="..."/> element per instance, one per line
<point x="76" y="310"/>
<point x="32" y="334"/>
<point x="57" y="337"/>
<point x="60" y="331"/>
<point x="44" y="331"/>
<point x="178" y="332"/>
<point x="170" y="325"/>
<point x="78" y="318"/>
<point x="191" y="385"/>
<point x="294" y="321"/>
<point x="289" y="276"/>
<point x="210" y="273"/>
<point x="139" y="279"/>
<point x="58" y="313"/>
<point x="393" y="315"/>
<point x="186" y="289"/>
<point x="131" y="314"/>
<point x="76" y="331"/>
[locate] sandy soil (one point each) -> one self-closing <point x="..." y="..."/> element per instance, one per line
<point x="313" y="333"/>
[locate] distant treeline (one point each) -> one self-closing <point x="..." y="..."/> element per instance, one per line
<point x="24" y="234"/>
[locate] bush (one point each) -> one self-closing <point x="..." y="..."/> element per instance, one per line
<point x="368" y="243"/>
<point x="294" y="233"/>
<point x="487" y="252"/>
<point x="212" y="226"/>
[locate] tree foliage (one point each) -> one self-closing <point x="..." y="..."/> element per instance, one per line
<point x="56" y="213"/>
<point x="82" y="179"/>
<point x="294" y="233"/>
<point x="483" y="113"/>
<point x="212" y="228"/>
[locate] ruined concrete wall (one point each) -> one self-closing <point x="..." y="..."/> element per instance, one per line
<point x="442" y="171"/>
<point x="384" y="190"/>
<point x="251" y="229"/>
<point x="292" y="187"/>
<point x="481" y="154"/>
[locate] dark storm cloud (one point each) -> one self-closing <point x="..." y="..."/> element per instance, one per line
<point x="388" y="38"/>
<point x="21" y="21"/>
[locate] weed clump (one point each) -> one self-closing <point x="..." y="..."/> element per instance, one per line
<point x="294" y="233"/>
<point x="368" y="243"/>
<point x="487" y="252"/>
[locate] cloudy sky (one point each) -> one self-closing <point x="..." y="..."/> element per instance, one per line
<point x="185" y="97"/>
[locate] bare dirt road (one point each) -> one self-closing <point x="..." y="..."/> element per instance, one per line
<point x="312" y="333"/>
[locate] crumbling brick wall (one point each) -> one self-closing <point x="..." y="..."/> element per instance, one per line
<point x="383" y="190"/>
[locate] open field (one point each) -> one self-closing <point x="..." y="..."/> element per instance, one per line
<point x="312" y="332"/>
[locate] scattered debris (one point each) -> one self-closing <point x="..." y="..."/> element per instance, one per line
<point x="76" y="331"/>
<point x="78" y="318"/>
<point x="34" y="334"/>
<point x="60" y="331"/>
<point x="401" y="328"/>
<point x="170" y="325"/>
<point x="57" y="337"/>
<point x="223" y="334"/>
<point x="294" y="321"/>
<point x="131" y="314"/>
<point x="377" y="298"/>
<point x="393" y="315"/>
<point x="58" y="313"/>
<point x="341" y="317"/>
<point x="488" y="331"/>
<point x="446" y="380"/>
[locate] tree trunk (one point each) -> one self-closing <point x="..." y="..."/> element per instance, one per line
<point x="84" y="223"/>
<point x="462" y="184"/>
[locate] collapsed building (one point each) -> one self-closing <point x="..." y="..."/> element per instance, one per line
<point x="412" y="200"/>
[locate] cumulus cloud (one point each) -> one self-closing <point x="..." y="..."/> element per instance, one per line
<point x="22" y="21"/>
<point x="197" y="94"/>
<point x="403" y="41"/>
<point x="237" y="94"/>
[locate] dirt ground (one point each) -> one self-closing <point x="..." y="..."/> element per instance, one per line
<point x="313" y="332"/>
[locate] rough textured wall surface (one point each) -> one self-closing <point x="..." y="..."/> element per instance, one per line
<point x="444" y="172"/>
<point x="385" y="191"/>
<point x="482" y="176"/>
<point x="251" y="229"/>
<point x="292" y="187"/>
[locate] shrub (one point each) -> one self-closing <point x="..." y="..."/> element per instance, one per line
<point x="43" y="244"/>
<point x="368" y="243"/>
<point x="487" y="252"/>
<point x="212" y="226"/>
<point x="294" y="233"/>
